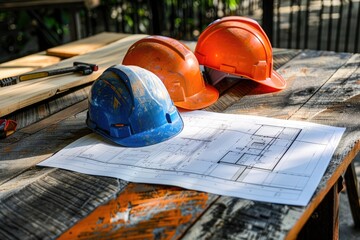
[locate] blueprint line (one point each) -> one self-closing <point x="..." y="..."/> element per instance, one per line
<point x="257" y="158"/>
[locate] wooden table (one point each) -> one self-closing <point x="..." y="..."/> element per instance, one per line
<point x="46" y="203"/>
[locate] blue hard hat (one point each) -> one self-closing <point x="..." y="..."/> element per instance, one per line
<point x="130" y="106"/>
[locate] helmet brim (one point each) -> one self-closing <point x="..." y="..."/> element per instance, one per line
<point x="207" y="96"/>
<point x="276" y="81"/>
<point x="149" y="137"/>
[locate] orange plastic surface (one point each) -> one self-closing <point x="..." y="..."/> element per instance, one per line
<point x="176" y="65"/>
<point x="238" y="46"/>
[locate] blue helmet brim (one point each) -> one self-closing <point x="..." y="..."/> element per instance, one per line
<point x="146" y="138"/>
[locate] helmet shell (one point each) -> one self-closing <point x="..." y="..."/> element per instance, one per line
<point x="130" y="106"/>
<point x="238" y="46"/>
<point x="178" y="68"/>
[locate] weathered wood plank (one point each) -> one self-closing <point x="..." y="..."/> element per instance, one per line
<point x="43" y="109"/>
<point x="232" y="97"/>
<point x="337" y="103"/>
<point x="90" y="226"/>
<point x="341" y="86"/>
<point x="46" y="207"/>
<point x="232" y="218"/>
<point x="232" y="90"/>
<point x="348" y="148"/>
<point x="42" y="192"/>
<point x="86" y="45"/>
<point x="31" y="149"/>
<point x="26" y="93"/>
<point x="281" y="56"/>
<point x="289" y="223"/>
<point x="227" y="218"/>
<point x="143" y="211"/>
<point x="55" y="118"/>
<point x="13" y="185"/>
<point x="311" y="69"/>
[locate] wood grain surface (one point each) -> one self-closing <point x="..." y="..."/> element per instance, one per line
<point x="143" y="211"/>
<point x="25" y="93"/>
<point x="85" y="45"/>
<point x="44" y="203"/>
<point x="27" y="64"/>
<point x="316" y="80"/>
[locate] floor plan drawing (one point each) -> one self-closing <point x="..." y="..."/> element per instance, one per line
<point x="250" y="157"/>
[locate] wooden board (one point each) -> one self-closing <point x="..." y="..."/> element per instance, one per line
<point x="307" y="99"/>
<point x="30" y="190"/>
<point x="26" y="93"/>
<point x="54" y="55"/>
<point x="44" y="109"/>
<point x="33" y="196"/>
<point x="342" y="88"/>
<point x="30" y="145"/>
<point x="85" y="45"/>
<point x="27" y="64"/>
<point x="49" y="192"/>
<point x="143" y="211"/>
<point x="21" y="179"/>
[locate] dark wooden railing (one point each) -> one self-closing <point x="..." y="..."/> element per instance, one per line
<point x="179" y="19"/>
<point x="304" y="24"/>
<point x="317" y="24"/>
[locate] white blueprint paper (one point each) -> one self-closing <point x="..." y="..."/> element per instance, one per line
<point x="257" y="158"/>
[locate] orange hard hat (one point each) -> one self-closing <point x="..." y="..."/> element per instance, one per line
<point x="176" y="65"/>
<point x="238" y="46"/>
